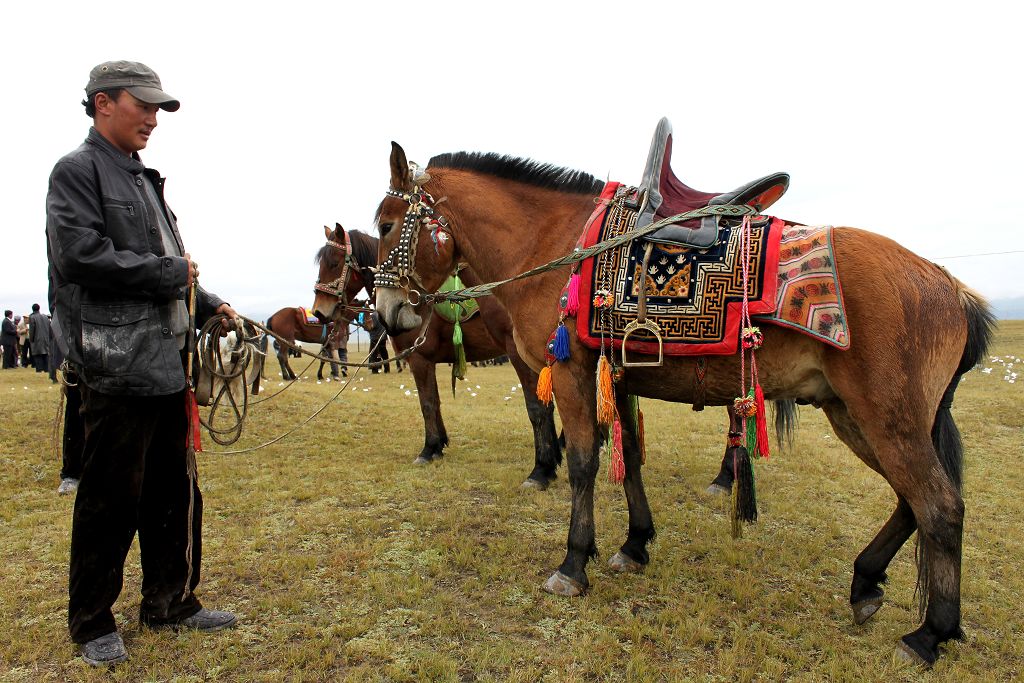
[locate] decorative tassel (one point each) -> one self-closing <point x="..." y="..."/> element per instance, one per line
<point x="744" y="500"/>
<point x="560" y="349"/>
<point x="544" y="385"/>
<point x="572" y="304"/>
<point x="605" y="397"/>
<point x="762" y="423"/>
<point x="192" y="408"/>
<point x="617" y="465"/>
<point x="459" y="366"/>
<point x="638" y="421"/>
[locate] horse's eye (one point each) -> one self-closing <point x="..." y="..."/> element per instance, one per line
<point x="384" y="228"/>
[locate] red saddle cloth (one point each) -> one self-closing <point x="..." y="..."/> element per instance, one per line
<point x="695" y="296"/>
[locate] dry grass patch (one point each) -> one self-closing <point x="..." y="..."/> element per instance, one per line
<point x="345" y="562"/>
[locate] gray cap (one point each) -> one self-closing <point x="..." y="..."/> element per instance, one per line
<point x="135" y="77"/>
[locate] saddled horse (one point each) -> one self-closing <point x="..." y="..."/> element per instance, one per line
<point x="485" y="335"/>
<point x="915" y="329"/>
<point x="291" y="324"/>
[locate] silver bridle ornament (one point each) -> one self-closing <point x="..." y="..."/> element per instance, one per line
<point x="398" y="270"/>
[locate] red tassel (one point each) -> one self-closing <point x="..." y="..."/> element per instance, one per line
<point x="617" y="466"/>
<point x="192" y="415"/>
<point x="761" y="422"/>
<point x="572" y="304"/>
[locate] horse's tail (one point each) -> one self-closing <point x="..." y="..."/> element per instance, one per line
<point x="785" y="422"/>
<point x="981" y="323"/>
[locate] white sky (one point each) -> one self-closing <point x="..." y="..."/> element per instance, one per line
<point x="902" y="118"/>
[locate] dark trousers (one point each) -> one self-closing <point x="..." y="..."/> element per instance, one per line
<point x="74" y="431"/>
<point x="10" y="355"/>
<point x="134" y="479"/>
<point x="39" y="361"/>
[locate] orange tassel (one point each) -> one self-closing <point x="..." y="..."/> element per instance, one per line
<point x="761" y="422"/>
<point x="544" y="386"/>
<point x="605" y="397"/>
<point x="617" y="466"/>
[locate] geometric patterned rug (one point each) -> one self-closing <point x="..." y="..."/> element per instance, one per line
<point x="810" y="298"/>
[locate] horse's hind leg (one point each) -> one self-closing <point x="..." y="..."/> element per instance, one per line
<point x="632" y="556"/>
<point x="869" y="568"/>
<point x="904" y="453"/>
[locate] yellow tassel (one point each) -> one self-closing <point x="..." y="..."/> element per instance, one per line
<point x="605" y="397"/>
<point x="544" y="386"/>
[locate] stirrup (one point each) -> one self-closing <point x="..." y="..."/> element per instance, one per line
<point x="634" y="326"/>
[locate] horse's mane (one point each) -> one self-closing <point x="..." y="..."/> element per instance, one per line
<point x="364" y="249"/>
<point x="523" y="170"/>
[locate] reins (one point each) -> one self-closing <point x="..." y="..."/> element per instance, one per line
<point x="399" y="269"/>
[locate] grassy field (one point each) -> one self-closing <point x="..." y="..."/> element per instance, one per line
<point x="344" y="562"/>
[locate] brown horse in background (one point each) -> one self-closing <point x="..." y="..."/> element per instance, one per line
<point x="290" y="323"/>
<point x="485" y="336"/>
<point x="915" y="331"/>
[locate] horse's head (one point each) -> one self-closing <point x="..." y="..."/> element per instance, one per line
<point x="342" y="273"/>
<point x="416" y="251"/>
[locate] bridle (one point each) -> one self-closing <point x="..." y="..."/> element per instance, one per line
<point x="339" y="285"/>
<point x="398" y="270"/>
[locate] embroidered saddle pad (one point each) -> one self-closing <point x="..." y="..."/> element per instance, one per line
<point x="695" y="296"/>
<point x="810" y="298"/>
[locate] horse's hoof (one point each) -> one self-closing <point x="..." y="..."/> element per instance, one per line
<point x="421" y="461"/>
<point x="534" y="485"/>
<point x="624" y="564"/>
<point x="865" y="609"/>
<point x="718" y="490"/>
<point x="560" y="584"/>
<point x="907" y="654"/>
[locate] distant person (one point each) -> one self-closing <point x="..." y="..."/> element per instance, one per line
<point x="119" y="276"/>
<point x="379" y="356"/>
<point x="9" y="340"/>
<point x="39" y="339"/>
<point x="23" y="345"/>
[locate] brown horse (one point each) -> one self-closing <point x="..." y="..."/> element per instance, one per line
<point x="915" y="330"/>
<point x="291" y="324"/>
<point x="485" y="336"/>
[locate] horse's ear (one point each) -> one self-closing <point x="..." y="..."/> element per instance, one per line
<point x="400" y="175"/>
<point x="327" y="232"/>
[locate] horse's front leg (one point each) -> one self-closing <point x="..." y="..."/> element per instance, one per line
<point x="575" y="394"/>
<point x="633" y="555"/>
<point x="424" y="372"/>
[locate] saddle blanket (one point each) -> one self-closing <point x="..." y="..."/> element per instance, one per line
<point x="696" y="296"/>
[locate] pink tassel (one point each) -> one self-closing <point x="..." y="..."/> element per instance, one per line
<point x="572" y="304"/>
<point x="761" y="422"/>
<point x="617" y="466"/>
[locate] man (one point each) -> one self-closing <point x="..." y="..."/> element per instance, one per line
<point x="119" y="277"/>
<point x="26" y="355"/>
<point x="380" y="355"/>
<point x="9" y="339"/>
<point x="39" y="338"/>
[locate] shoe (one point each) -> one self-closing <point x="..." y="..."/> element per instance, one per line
<point x="203" y="620"/>
<point x="67" y="485"/>
<point x="105" y="651"/>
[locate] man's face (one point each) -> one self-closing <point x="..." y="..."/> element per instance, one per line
<point x="126" y="122"/>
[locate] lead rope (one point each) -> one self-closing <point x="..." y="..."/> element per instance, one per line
<point x="192" y="443"/>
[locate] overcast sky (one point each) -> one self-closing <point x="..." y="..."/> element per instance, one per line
<point x="900" y="118"/>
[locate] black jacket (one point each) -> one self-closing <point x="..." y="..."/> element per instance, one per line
<point x="113" y="287"/>
<point x="8" y="333"/>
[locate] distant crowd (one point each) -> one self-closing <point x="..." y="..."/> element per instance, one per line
<point x="27" y="341"/>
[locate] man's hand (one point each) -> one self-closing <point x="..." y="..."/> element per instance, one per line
<point x="232" y="319"/>
<point x="193" y="271"/>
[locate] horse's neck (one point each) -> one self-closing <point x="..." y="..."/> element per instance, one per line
<point x="501" y="234"/>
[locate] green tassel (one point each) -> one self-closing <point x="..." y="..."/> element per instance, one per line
<point x="459" y="366"/>
<point x="751" y="430"/>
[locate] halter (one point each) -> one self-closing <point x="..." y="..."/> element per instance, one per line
<point x="337" y="286"/>
<point x="398" y="271"/>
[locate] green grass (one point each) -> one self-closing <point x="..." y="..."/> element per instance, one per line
<point x="345" y="562"/>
